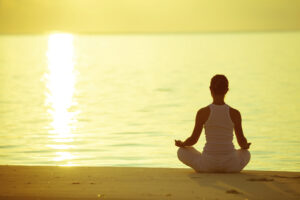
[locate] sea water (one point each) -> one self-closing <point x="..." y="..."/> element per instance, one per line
<point x="121" y="100"/>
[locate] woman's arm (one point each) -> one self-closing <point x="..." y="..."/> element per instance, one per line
<point x="201" y="118"/>
<point x="237" y="120"/>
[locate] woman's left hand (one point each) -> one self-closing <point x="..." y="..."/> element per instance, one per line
<point x="179" y="143"/>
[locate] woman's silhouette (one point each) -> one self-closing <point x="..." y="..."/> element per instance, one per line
<point x="219" y="120"/>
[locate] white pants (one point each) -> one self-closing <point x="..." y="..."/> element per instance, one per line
<point x="233" y="162"/>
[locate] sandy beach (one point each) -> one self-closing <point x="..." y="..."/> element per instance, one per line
<point x="50" y="182"/>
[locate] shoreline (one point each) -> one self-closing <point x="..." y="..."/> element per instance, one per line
<point x="84" y="182"/>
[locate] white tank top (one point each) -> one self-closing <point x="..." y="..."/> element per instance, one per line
<point x="218" y="131"/>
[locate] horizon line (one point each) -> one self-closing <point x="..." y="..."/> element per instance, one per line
<point x="150" y="33"/>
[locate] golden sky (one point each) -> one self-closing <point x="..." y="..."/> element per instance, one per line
<point x="142" y="16"/>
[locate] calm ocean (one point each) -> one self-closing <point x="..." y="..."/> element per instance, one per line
<point x="121" y="100"/>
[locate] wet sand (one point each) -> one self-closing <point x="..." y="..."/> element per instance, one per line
<point x="49" y="183"/>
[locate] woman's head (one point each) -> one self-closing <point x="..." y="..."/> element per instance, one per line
<point x="219" y="85"/>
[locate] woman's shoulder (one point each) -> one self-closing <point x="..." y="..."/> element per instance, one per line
<point x="203" y="114"/>
<point x="234" y="110"/>
<point x="234" y="113"/>
<point x="205" y="109"/>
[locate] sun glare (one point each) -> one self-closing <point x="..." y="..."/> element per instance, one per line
<point x="60" y="82"/>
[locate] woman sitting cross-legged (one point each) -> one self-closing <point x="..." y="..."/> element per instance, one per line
<point x="219" y="120"/>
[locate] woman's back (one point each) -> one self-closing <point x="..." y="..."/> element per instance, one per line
<point x="218" y="131"/>
<point x="219" y="120"/>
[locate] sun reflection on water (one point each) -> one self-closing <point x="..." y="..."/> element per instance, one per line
<point x="60" y="82"/>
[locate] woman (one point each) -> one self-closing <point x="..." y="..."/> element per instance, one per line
<point x="218" y="120"/>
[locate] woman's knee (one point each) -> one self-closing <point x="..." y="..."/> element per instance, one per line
<point x="248" y="156"/>
<point x="189" y="156"/>
<point x="244" y="152"/>
<point x="184" y="151"/>
<point x="180" y="152"/>
<point x="245" y="156"/>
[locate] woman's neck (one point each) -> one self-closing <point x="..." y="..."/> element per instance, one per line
<point x="218" y="100"/>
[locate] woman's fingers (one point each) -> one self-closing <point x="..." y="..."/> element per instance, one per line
<point x="248" y="145"/>
<point x="178" y="143"/>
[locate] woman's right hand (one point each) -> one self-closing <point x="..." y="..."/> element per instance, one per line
<point x="246" y="146"/>
<point x="179" y="143"/>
